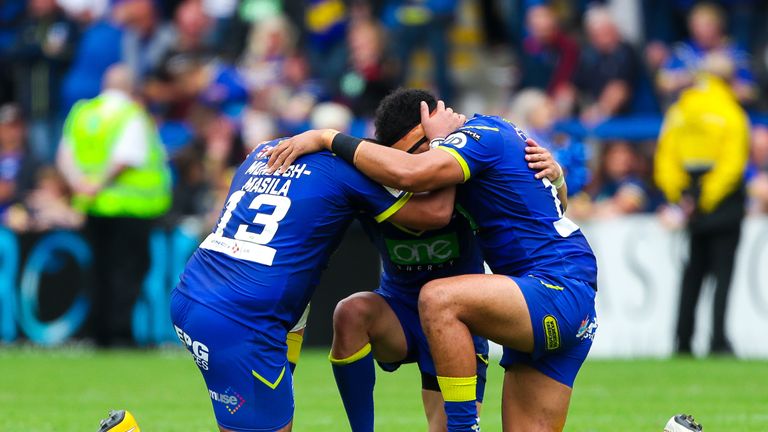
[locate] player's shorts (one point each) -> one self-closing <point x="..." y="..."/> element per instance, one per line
<point x="247" y="375"/>
<point x="564" y="323"/>
<point x="407" y="311"/>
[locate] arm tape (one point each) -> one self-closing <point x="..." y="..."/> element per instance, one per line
<point x="345" y="146"/>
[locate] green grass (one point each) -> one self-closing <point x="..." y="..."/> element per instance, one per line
<point x="71" y="389"/>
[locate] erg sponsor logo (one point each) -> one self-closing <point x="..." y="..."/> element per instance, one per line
<point x="199" y="350"/>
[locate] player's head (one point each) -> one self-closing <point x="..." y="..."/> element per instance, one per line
<point x="398" y="119"/>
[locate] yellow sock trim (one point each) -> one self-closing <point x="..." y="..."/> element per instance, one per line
<point x="353" y="358"/>
<point x="458" y="389"/>
<point x="294" y="341"/>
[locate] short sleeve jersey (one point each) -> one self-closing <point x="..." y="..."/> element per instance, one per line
<point x="263" y="259"/>
<point x="410" y="258"/>
<point x="522" y="229"/>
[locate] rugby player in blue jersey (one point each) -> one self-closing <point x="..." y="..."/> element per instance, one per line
<point x="384" y="324"/>
<point x="250" y="280"/>
<point x="540" y="303"/>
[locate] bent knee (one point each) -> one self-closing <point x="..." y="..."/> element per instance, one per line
<point x="354" y="312"/>
<point x="434" y="296"/>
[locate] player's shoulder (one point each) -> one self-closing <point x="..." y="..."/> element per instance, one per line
<point x="481" y="127"/>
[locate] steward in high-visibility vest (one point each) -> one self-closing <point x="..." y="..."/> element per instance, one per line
<point x="92" y="128"/>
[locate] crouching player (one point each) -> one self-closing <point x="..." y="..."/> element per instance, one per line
<point x="384" y="324"/>
<point x="540" y="304"/>
<point x="251" y="279"/>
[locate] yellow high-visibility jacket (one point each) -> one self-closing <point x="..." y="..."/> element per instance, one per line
<point x="705" y="130"/>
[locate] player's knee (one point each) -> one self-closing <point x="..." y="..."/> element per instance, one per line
<point x="352" y="314"/>
<point x="434" y="298"/>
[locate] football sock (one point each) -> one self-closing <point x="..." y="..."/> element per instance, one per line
<point x="460" y="402"/>
<point x="294" y="341"/>
<point x="355" y="378"/>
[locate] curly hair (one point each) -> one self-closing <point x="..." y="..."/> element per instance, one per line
<point x="400" y="112"/>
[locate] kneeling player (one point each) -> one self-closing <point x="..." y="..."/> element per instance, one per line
<point x="250" y="280"/>
<point x="542" y="311"/>
<point x="384" y="324"/>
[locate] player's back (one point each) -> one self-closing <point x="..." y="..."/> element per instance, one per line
<point x="274" y="237"/>
<point x="522" y="226"/>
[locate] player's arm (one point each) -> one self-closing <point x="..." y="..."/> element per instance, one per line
<point x="427" y="211"/>
<point x="426" y="171"/>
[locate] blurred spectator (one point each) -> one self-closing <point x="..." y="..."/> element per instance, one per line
<point x="17" y="165"/>
<point x="330" y="115"/>
<point x="41" y="56"/>
<point x="180" y="74"/>
<point x="131" y="34"/>
<point x="706" y="24"/>
<point x="370" y="74"/>
<point x="533" y="111"/>
<point x="113" y="160"/>
<point x="270" y="44"/>
<point x="417" y="23"/>
<point x="325" y="24"/>
<point x="607" y="71"/>
<point x="548" y="57"/>
<point x="700" y="163"/>
<point x="757" y="172"/>
<point x="620" y="187"/>
<point x="46" y="207"/>
<point x="11" y="14"/>
<point x="278" y="76"/>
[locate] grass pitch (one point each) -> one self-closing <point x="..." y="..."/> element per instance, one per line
<point x="71" y="389"/>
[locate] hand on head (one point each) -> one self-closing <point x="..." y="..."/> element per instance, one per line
<point x="441" y="122"/>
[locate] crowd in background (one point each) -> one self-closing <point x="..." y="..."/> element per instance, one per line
<point x="220" y="76"/>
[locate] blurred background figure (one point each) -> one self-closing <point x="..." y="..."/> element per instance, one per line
<point x="17" y="165"/>
<point x="42" y="53"/>
<point x="371" y="72"/>
<point x="706" y="25"/>
<point x="534" y="112"/>
<point x="619" y="188"/>
<point x="415" y="24"/>
<point x="548" y="57"/>
<point x="112" y="159"/>
<point x="699" y="166"/>
<point x="607" y="71"/>
<point x="115" y="38"/>
<point x="331" y="115"/>
<point x="757" y="172"/>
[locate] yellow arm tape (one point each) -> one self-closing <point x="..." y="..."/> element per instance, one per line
<point x="459" y="159"/>
<point x="458" y="389"/>
<point x="266" y="382"/>
<point x="393" y="208"/>
<point x="294" y="341"/>
<point x="353" y="358"/>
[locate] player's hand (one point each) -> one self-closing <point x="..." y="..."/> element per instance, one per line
<point x="541" y="160"/>
<point x="442" y="122"/>
<point x="288" y="150"/>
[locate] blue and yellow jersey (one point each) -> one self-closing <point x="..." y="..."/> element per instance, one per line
<point x="263" y="259"/>
<point x="410" y="258"/>
<point x="522" y="229"/>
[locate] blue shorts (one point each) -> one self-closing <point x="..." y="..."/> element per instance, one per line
<point x="564" y="323"/>
<point x="406" y="309"/>
<point x="247" y="375"/>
